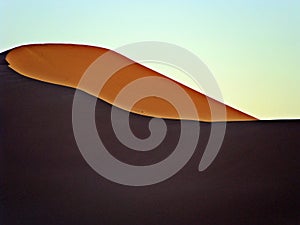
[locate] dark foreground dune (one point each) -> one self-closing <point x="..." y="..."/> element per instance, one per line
<point x="45" y="180"/>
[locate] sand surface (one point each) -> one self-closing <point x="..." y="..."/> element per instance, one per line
<point x="44" y="179"/>
<point x="65" y="64"/>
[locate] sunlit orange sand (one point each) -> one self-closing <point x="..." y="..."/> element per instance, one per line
<point x="64" y="64"/>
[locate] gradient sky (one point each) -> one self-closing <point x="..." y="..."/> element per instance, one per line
<point x="252" y="47"/>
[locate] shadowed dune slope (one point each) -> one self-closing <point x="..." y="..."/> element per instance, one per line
<point x="254" y="180"/>
<point x="64" y="64"/>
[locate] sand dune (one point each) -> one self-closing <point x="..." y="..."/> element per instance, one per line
<point x="64" y="64"/>
<point x="44" y="179"/>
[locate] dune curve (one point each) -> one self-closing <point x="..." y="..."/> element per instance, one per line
<point x="64" y="64"/>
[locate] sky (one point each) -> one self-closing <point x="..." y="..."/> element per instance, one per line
<point x="251" y="47"/>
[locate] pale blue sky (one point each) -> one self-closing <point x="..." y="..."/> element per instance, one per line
<point x="252" y="47"/>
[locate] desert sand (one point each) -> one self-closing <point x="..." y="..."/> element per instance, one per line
<point x="44" y="179"/>
<point x="65" y="64"/>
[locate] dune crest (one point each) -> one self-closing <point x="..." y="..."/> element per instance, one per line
<point x="64" y="64"/>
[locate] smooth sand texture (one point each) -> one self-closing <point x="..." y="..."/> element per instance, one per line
<point x="64" y="64"/>
<point x="45" y="181"/>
